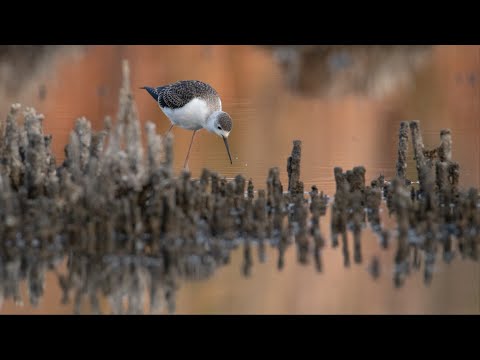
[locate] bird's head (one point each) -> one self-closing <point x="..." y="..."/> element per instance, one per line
<point x="220" y="123"/>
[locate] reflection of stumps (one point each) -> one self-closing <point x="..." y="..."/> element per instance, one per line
<point x="373" y="199"/>
<point x="345" y="252"/>
<point x="282" y="246"/>
<point x="358" y="214"/>
<point x="339" y="217"/>
<point x="402" y="150"/>
<point x="317" y="208"/>
<point x="247" y="259"/>
<point x="473" y="238"/>
<point x="259" y="222"/>
<point x="299" y="218"/>
<point x="430" y="200"/>
<point x="275" y="201"/>
<point x="384" y="239"/>
<point x="374" y="268"/>
<point x="401" y="202"/>
<point x="454" y="176"/>
<point x="448" y="253"/>
<point x="430" y="248"/>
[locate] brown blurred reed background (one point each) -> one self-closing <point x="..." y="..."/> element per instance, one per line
<point x="344" y="103"/>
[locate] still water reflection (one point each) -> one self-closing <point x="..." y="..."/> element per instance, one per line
<point x="347" y="129"/>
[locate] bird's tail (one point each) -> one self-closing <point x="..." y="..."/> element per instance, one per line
<point x="152" y="91"/>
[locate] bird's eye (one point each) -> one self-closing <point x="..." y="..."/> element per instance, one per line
<point x="219" y="128"/>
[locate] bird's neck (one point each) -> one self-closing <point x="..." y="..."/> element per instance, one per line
<point x="211" y="121"/>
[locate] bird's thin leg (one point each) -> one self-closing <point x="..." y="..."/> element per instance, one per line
<point x="189" y="148"/>
<point x="170" y="129"/>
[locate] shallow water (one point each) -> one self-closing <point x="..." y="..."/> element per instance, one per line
<point x="337" y="130"/>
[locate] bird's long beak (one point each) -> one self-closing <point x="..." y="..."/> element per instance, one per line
<point x="228" y="149"/>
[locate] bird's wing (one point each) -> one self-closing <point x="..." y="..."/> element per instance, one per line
<point x="180" y="93"/>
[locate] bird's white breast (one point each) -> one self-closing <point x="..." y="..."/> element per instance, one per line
<point x="192" y="116"/>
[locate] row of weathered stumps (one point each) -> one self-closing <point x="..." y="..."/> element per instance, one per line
<point x="129" y="227"/>
<point x="429" y="216"/>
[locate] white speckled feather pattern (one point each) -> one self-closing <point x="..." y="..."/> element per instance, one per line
<point x="192" y="116"/>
